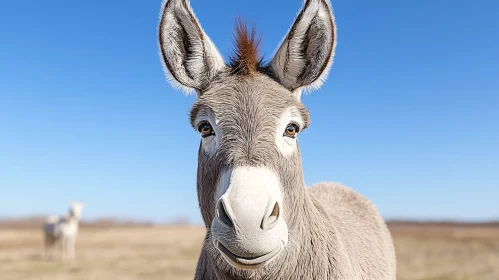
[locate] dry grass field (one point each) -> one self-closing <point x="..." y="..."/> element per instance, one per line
<point x="444" y="252"/>
<point x="424" y="251"/>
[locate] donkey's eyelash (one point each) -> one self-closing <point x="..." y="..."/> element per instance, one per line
<point x="198" y="126"/>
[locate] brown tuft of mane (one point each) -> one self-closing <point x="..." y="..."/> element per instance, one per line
<point x="245" y="59"/>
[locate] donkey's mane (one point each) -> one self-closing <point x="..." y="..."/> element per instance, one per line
<point x="245" y="59"/>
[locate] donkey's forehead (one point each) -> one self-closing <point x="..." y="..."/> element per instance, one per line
<point x="257" y="94"/>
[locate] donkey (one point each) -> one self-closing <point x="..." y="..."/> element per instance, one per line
<point x="63" y="229"/>
<point x="262" y="221"/>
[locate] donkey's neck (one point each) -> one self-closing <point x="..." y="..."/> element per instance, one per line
<point x="315" y="243"/>
<point x="315" y="246"/>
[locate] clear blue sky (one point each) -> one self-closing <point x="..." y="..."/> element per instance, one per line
<point x="409" y="116"/>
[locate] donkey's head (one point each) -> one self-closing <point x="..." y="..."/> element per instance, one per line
<point x="248" y="114"/>
<point x="75" y="209"/>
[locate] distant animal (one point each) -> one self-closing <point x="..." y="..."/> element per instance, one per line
<point x="64" y="230"/>
<point x="262" y="221"/>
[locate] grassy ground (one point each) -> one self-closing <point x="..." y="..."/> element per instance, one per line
<point x="423" y="252"/>
<point x="447" y="252"/>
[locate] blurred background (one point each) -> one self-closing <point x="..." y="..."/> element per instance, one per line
<point x="409" y="117"/>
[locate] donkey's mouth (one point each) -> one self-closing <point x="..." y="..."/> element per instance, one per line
<point x="245" y="262"/>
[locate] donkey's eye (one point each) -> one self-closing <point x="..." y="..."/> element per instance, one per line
<point x="291" y="130"/>
<point x="205" y="129"/>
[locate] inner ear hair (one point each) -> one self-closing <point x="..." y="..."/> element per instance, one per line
<point x="190" y="59"/>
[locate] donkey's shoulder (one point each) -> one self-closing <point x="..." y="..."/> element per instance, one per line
<point x="345" y="204"/>
<point x="332" y="192"/>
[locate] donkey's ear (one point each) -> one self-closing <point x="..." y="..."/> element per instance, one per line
<point x="191" y="60"/>
<point x="303" y="59"/>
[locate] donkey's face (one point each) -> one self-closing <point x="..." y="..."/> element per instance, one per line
<point x="248" y="156"/>
<point x="75" y="209"/>
<point x="249" y="116"/>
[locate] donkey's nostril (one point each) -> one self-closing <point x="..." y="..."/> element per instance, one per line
<point x="275" y="212"/>
<point x="222" y="214"/>
<point x="271" y="220"/>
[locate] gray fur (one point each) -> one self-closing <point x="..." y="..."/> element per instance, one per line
<point x="334" y="233"/>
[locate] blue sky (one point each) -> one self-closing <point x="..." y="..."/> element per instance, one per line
<point x="409" y="116"/>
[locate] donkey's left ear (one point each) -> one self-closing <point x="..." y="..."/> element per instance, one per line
<point x="305" y="56"/>
<point x="191" y="60"/>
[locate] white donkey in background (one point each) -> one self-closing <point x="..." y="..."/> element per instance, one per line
<point x="63" y="229"/>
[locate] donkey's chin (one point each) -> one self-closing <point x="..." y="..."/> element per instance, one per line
<point x="248" y="262"/>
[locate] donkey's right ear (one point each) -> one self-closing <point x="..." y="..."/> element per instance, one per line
<point x="190" y="59"/>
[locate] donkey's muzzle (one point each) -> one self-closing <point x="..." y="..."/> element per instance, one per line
<point x="249" y="229"/>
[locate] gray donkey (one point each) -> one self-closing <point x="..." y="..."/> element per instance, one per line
<point x="262" y="221"/>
